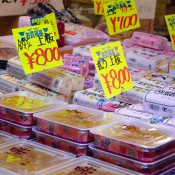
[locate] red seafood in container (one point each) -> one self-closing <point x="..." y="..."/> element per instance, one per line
<point x="19" y="107"/>
<point x="134" y="139"/>
<point x="72" y="122"/>
<point x="56" y="142"/>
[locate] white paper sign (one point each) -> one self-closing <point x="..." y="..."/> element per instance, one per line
<point x="146" y="8"/>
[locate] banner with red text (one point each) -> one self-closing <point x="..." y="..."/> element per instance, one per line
<point x="112" y="68"/>
<point x="37" y="48"/>
<point x="121" y="16"/>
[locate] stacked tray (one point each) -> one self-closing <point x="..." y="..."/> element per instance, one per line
<point x="87" y="166"/>
<point x="17" y="109"/>
<point x="26" y="157"/>
<point x="134" y="145"/>
<point x="72" y="123"/>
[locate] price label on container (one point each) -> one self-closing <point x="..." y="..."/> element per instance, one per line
<point x="37" y="48"/>
<point x="47" y="19"/>
<point x="170" y="21"/>
<point x="121" y="16"/>
<point x="112" y="68"/>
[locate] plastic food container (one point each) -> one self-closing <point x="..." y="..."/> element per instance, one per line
<point x="86" y="166"/>
<point x="62" y="144"/>
<point x="135" y="139"/>
<point x="23" y="132"/>
<point x="26" y="157"/>
<point x="5" y="138"/>
<point x="19" y="106"/>
<point x="153" y="168"/>
<point x="72" y="122"/>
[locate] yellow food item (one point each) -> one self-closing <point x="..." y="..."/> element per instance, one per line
<point x="23" y="158"/>
<point x="135" y="134"/>
<point x="78" y="119"/>
<point x="22" y="102"/>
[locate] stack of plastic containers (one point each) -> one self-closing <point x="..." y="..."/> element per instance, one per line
<point x="25" y="157"/>
<point x="68" y="128"/>
<point x="135" y="145"/>
<point x="16" y="112"/>
<point x="86" y="166"/>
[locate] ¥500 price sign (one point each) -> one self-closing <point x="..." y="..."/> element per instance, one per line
<point x="112" y="68"/>
<point x="121" y="16"/>
<point x="37" y="48"/>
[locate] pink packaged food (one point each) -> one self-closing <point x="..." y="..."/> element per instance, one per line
<point x="153" y="168"/>
<point x="72" y="122"/>
<point x="135" y="139"/>
<point x="79" y="35"/>
<point x="112" y="106"/>
<point x="23" y="132"/>
<point x="75" y="69"/>
<point x="62" y="144"/>
<point x="19" y="106"/>
<point x="77" y="61"/>
<point x="60" y="41"/>
<point x="149" y="40"/>
<point x="89" y="81"/>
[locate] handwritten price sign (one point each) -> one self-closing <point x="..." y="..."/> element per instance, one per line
<point x="37" y="48"/>
<point x="47" y="19"/>
<point x="170" y="21"/>
<point x="112" y="68"/>
<point x="98" y="6"/>
<point x="121" y="16"/>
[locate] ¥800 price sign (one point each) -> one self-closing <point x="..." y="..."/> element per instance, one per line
<point x="170" y="21"/>
<point x="37" y="48"/>
<point x="121" y="16"/>
<point x="112" y="68"/>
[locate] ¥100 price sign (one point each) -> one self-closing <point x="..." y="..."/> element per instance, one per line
<point x="112" y="68"/>
<point x="37" y="48"/>
<point x="121" y="16"/>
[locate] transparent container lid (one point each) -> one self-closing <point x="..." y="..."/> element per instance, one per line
<point x="28" y="102"/>
<point x="135" y="133"/>
<point x="26" y="157"/>
<point x="5" y="138"/>
<point x="76" y="116"/>
<point x="87" y="165"/>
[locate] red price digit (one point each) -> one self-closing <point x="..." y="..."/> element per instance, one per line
<point x="125" y="21"/>
<point x="116" y="78"/>
<point x="42" y="57"/>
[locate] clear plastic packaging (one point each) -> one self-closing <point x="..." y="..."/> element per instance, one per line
<point x="72" y="122"/>
<point x="19" y="106"/>
<point x="26" y="157"/>
<point x="87" y="166"/>
<point x="60" y="143"/>
<point x="153" y="168"/>
<point x="135" y="139"/>
<point x="5" y="138"/>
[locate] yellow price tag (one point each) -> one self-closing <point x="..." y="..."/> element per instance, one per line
<point x="170" y="21"/>
<point x="37" y="48"/>
<point x="121" y="16"/>
<point x="112" y="68"/>
<point x="47" y="19"/>
<point x="98" y="6"/>
<point x="11" y="159"/>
